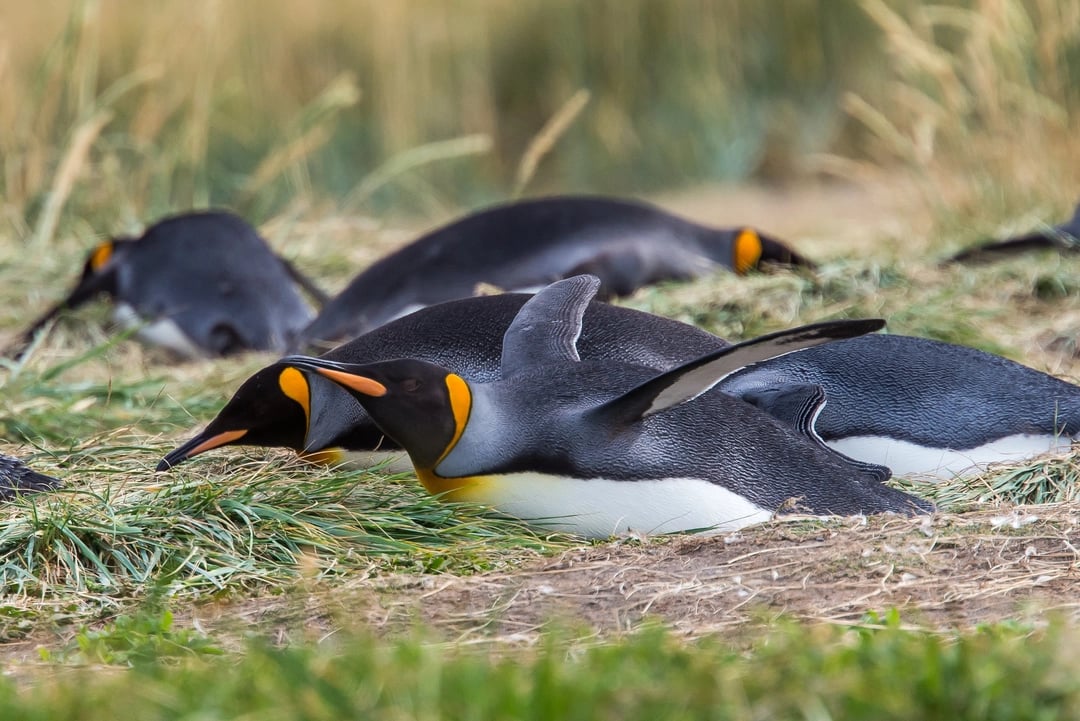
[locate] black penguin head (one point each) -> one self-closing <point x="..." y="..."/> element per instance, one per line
<point x="99" y="271"/>
<point x="272" y="408"/>
<point x="751" y="249"/>
<point x="421" y="406"/>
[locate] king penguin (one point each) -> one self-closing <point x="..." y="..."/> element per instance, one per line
<point x="527" y="244"/>
<point x="922" y="407"/>
<point x="16" y="478"/>
<point x="199" y="284"/>
<point x="604" y="447"/>
<point x="278" y="407"/>
<point x="1063" y="237"/>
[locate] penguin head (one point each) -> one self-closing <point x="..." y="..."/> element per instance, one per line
<point x="272" y="408"/>
<point x="99" y="271"/>
<point x="420" y="405"/>
<point x="750" y="249"/>
<point x="746" y="250"/>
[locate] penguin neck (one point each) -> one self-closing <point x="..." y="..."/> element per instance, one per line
<point x="479" y="433"/>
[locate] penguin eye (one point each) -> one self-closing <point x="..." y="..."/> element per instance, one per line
<point x="410" y="385"/>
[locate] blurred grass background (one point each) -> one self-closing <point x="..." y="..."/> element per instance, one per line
<point x="114" y="110"/>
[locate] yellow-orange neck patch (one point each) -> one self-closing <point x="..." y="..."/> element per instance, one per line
<point x="747" y="251"/>
<point x="295" y="386"/>
<point x="468" y="489"/>
<point x="460" y="405"/>
<point x="101" y="255"/>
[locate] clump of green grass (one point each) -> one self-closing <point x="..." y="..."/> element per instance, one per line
<point x="875" y="671"/>
<point x="1053" y="479"/>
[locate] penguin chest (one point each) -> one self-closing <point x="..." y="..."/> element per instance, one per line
<point x="161" y="332"/>
<point x="600" y="507"/>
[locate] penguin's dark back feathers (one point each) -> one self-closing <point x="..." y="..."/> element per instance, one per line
<point x="921" y="390"/>
<point x="466" y="336"/>
<point x="214" y="277"/>
<point x="518" y="246"/>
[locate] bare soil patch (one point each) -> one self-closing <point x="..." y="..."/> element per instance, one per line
<point x="940" y="572"/>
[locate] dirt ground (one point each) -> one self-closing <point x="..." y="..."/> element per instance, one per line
<point x="940" y="572"/>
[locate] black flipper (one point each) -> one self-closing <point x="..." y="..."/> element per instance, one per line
<point x="547" y="327"/>
<point x="799" y="405"/>
<point x="1063" y="237"/>
<point x="690" y="380"/>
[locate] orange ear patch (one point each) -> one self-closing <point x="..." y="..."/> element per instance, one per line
<point x="461" y="405"/>
<point x="295" y="386"/>
<point x="101" y="255"/>
<point x="747" y="251"/>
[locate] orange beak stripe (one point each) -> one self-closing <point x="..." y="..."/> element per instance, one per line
<point x="220" y="439"/>
<point x="360" y="384"/>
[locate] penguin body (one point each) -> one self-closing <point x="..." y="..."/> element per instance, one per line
<point x="922" y="407"/>
<point x="528" y="244"/>
<point x="17" y="478"/>
<point x="1064" y="237"/>
<point x="602" y="447"/>
<point x="319" y="419"/>
<point x="199" y="284"/>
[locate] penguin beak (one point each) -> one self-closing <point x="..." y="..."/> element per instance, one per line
<point x="338" y="373"/>
<point x="199" y="444"/>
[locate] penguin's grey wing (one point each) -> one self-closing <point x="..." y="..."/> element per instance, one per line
<point x="690" y="380"/>
<point x="799" y="405"/>
<point x="547" y="327"/>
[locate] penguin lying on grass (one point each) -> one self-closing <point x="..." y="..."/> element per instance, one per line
<point x="279" y="407"/>
<point x="17" y="478"/>
<point x="922" y="407"/>
<point x="598" y="447"/>
<point x="530" y="243"/>
<point x="198" y="284"/>
<point x="1064" y="237"/>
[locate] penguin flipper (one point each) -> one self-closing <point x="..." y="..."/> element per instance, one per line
<point x="999" y="248"/>
<point x="690" y="380"/>
<point x="547" y="327"/>
<point x="799" y="405"/>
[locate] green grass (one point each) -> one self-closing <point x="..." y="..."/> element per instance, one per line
<point x="875" y="671"/>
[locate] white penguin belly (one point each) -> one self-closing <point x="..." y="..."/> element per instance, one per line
<point x="162" y="332"/>
<point x="598" y="508"/>
<point x="909" y="459"/>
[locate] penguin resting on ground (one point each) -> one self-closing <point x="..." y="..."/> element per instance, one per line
<point x="16" y="478"/>
<point x="1063" y="237"/>
<point x="275" y="408"/>
<point x="604" y="447"/>
<point x="528" y="244"/>
<point x="922" y="407"/>
<point x="199" y="284"/>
